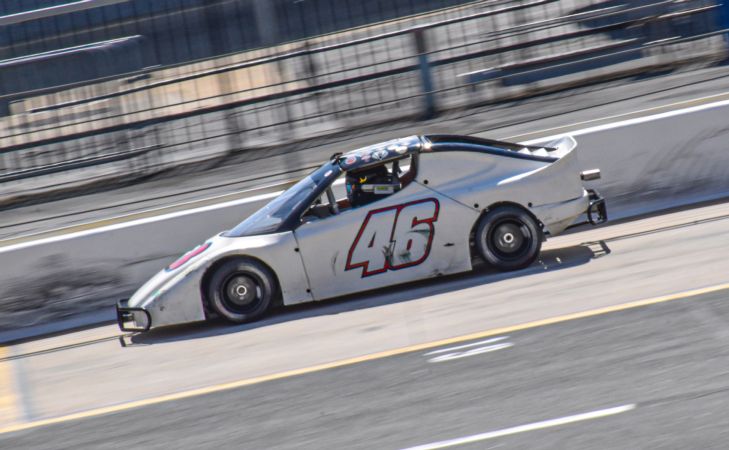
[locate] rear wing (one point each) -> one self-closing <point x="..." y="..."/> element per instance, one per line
<point x="446" y="142"/>
<point x="553" y="151"/>
<point x="557" y="148"/>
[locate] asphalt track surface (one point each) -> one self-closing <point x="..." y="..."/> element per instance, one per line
<point x="653" y="377"/>
<point x="355" y="373"/>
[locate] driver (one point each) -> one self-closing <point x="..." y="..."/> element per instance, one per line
<point x="367" y="185"/>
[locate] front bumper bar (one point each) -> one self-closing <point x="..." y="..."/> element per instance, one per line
<point x="597" y="211"/>
<point x="132" y="319"/>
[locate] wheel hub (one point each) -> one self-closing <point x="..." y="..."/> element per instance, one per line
<point x="241" y="290"/>
<point x="509" y="238"/>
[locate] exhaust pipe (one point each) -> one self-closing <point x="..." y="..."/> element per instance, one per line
<point x="590" y="175"/>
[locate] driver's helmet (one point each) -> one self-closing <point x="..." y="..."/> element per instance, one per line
<point x="367" y="185"/>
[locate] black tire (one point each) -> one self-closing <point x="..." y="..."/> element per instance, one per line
<point x="508" y="238"/>
<point x="241" y="290"/>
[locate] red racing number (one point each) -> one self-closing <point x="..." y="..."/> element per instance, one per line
<point x="394" y="238"/>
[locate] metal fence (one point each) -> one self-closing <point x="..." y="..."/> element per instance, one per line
<point x="173" y="32"/>
<point x="412" y="67"/>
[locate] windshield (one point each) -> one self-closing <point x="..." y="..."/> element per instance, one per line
<point x="272" y="216"/>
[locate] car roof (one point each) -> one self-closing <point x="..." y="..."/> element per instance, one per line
<point x="399" y="148"/>
<point x="380" y="153"/>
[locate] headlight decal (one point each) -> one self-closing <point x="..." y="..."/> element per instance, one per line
<point x="188" y="256"/>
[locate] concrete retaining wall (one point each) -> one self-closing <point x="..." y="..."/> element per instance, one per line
<point x="647" y="164"/>
<point x="660" y="161"/>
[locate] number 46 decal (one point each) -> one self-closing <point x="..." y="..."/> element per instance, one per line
<point x="394" y="238"/>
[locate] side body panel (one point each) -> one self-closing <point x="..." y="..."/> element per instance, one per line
<point x="553" y="192"/>
<point x="413" y="234"/>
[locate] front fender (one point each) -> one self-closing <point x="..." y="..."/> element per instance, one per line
<point x="174" y="296"/>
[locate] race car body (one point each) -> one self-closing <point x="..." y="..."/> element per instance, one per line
<point x="415" y="208"/>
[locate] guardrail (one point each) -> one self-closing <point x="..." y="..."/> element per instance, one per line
<point x="724" y="18"/>
<point x="402" y="74"/>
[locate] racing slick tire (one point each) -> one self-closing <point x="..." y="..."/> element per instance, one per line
<point x="241" y="290"/>
<point x="508" y="238"/>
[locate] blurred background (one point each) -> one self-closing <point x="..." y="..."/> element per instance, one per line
<point x="100" y="92"/>
<point x="132" y="130"/>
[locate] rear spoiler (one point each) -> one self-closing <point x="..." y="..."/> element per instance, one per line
<point x="554" y="147"/>
<point x="559" y="148"/>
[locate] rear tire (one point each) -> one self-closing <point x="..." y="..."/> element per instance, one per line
<point x="241" y="290"/>
<point x="508" y="238"/>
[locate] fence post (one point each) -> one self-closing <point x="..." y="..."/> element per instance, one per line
<point x="426" y="76"/>
<point x="724" y="18"/>
<point x="266" y="22"/>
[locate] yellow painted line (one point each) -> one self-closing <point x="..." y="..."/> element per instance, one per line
<point x="8" y="401"/>
<point x="356" y="360"/>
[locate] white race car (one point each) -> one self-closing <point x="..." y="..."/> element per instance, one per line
<point x="415" y="208"/>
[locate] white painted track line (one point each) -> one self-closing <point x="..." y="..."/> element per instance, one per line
<point x="142" y="221"/>
<point x="468" y="353"/>
<point x="524" y="428"/>
<point x="634" y="121"/>
<point x="671" y="109"/>
<point x="474" y="344"/>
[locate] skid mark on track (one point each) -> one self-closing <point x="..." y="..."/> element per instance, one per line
<point x="9" y="413"/>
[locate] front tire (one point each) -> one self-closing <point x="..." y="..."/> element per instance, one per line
<point x="508" y="238"/>
<point x="241" y="290"/>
